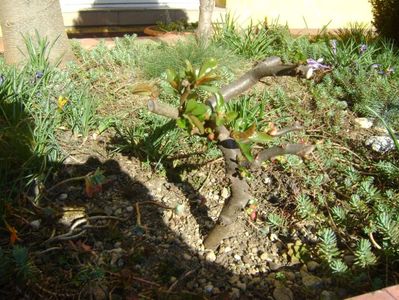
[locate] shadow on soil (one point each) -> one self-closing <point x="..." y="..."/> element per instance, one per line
<point x="130" y="255"/>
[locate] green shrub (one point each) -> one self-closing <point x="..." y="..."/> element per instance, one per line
<point x="386" y="15"/>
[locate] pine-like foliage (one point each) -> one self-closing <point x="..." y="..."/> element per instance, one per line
<point x="364" y="256"/>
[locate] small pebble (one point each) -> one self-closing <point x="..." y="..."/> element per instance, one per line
<point x="227" y="249"/>
<point x="225" y="193"/>
<point x="264" y="256"/>
<point x="210" y="256"/>
<point x="62" y="196"/>
<point x="35" y="224"/>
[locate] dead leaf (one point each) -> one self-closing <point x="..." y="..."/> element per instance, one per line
<point x="13" y="233"/>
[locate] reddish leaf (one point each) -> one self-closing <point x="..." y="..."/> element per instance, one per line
<point x="254" y="215"/>
<point x="94" y="183"/>
<point x="92" y="189"/>
<point x="13" y="234"/>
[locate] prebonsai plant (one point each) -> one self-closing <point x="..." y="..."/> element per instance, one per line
<point x="213" y="119"/>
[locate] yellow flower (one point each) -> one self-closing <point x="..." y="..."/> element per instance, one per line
<point x="61" y="102"/>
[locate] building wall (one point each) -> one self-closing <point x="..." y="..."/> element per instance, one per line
<point x="297" y="14"/>
<point x="301" y="14"/>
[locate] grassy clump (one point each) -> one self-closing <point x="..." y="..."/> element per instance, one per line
<point x="37" y="99"/>
<point x="173" y="56"/>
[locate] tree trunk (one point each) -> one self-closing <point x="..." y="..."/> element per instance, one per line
<point x="204" y="30"/>
<point x="24" y="17"/>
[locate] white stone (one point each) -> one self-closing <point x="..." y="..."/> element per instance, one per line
<point x="227" y="249"/>
<point x="225" y="193"/>
<point x="380" y="144"/>
<point x="35" y="224"/>
<point x="264" y="256"/>
<point x="365" y="123"/>
<point x="210" y="256"/>
<point x="62" y="196"/>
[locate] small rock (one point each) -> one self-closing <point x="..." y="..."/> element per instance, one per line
<point x="254" y="250"/>
<point x="208" y="288"/>
<point x="311" y="281"/>
<point x="35" y="224"/>
<point x="187" y="256"/>
<point x="246" y="259"/>
<point x="267" y="180"/>
<point x="62" y="196"/>
<point x="274" y="266"/>
<point x="118" y="211"/>
<point x="210" y="256"/>
<point x="227" y="249"/>
<point x="283" y="293"/>
<point x="380" y="144"/>
<point x="179" y="209"/>
<point x="237" y="257"/>
<point x="289" y="275"/>
<point x="328" y="295"/>
<point x="264" y="256"/>
<point x="364" y="122"/>
<point x="117" y="244"/>
<point x="225" y="193"/>
<point x="129" y="208"/>
<point x="312" y="265"/>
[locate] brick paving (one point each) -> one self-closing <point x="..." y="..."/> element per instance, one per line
<point x="389" y="293"/>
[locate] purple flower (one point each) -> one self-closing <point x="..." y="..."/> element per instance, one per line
<point x="317" y="64"/>
<point x="333" y="44"/>
<point x="362" y="49"/>
<point x="380" y="70"/>
<point x="375" y="66"/>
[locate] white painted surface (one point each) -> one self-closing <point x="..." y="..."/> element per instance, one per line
<point x="77" y="5"/>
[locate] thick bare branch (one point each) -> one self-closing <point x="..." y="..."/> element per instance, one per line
<point x="301" y="150"/>
<point x="239" y="191"/>
<point x="282" y="131"/>
<point x="163" y="109"/>
<point x="272" y="66"/>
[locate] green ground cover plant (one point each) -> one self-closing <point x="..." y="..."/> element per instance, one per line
<point x="339" y="207"/>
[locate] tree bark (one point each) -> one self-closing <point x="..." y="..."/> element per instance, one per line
<point x="204" y="30"/>
<point x="24" y="17"/>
